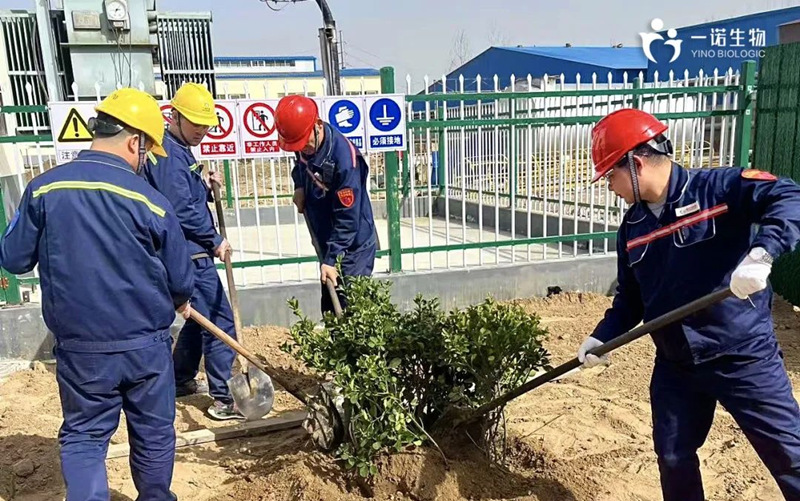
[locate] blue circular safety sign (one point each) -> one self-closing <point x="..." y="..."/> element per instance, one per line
<point x="345" y="116"/>
<point x="385" y="115"/>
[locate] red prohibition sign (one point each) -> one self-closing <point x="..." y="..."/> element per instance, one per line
<point x="165" y="111"/>
<point x="219" y="131"/>
<point x="260" y="119"/>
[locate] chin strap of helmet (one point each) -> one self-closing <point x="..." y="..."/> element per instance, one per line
<point x="634" y="178"/>
<point x="662" y="145"/>
<point x="142" y="152"/>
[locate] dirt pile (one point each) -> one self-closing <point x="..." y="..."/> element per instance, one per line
<point x="583" y="438"/>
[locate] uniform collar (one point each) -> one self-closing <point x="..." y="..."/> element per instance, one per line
<point x="677" y="183"/>
<point x="105" y="158"/>
<point x="169" y="136"/>
<point x="678" y="180"/>
<point x="324" y="152"/>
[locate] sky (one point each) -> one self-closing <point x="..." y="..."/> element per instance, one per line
<point x="421" y="37"/>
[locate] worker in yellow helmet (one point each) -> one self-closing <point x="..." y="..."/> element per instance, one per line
<point x="114" y="267"/>
<point x="180" y="178"/>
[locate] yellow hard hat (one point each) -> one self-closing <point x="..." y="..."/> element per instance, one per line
<point x="138" y="110"/>
<point x="196" y="104"/>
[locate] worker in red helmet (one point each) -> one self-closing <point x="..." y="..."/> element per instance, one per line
<point x="687" y="234"/>
<point x="330" y="180"/>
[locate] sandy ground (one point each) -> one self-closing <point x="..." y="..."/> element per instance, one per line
<point x="584" y="438"/>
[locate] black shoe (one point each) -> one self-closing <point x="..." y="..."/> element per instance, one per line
<point x="193" y="387"/>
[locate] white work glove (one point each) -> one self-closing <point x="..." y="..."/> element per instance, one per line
<point x="589" y="360"/>
<point x="751" y="275"/>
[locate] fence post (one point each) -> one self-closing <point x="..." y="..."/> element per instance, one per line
<point x="636" y="102"/>
<point x="392" y="192"/>
<point x="9" y="281"/>
<point x="228" y="184"/>
<point x="442" y="167"/>
<point x="744" y="126"/>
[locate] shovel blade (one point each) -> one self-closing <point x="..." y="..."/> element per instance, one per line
<point x="253" y="393"/>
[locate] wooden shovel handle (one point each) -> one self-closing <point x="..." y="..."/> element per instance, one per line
<point x="244" y="352"/>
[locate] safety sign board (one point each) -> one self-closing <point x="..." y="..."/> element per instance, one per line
<point x="386" y="127"/>
<point x="259" y="136"/>
<point x="347" y="115"/>
<point x="166" y="111"/>
<point x="222" y="141"/>
<point x="70" y="125"/>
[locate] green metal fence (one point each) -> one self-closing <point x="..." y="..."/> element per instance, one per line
<point x="488" y="177"/>
<point x="777" y="141"/>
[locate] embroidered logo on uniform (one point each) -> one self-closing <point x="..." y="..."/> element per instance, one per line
<point x="758" y="175"/>
<point x="688" y="209"/>
<point x="347" y="197"/>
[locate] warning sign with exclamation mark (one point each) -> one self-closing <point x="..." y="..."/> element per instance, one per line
<point x="75" y="129"/>
<point x="70" y="125"/>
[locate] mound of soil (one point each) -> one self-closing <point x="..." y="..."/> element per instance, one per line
<point x="583" y="438"/>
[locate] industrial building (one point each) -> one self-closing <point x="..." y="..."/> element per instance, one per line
<point x="272" y="77"/>
<point x="505" y="62"/>
<point x="721" y="45"/>
<point x="84" y="55"/>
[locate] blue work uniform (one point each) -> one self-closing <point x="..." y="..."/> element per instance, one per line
<point x="338" y="211"/>
<point x="113" y="266"/>
<point x="179" y="178"/>
<point x="728" y="352"/>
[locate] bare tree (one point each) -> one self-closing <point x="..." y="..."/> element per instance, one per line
<point x="497" y="37"/>
<point x="460" y="52"/>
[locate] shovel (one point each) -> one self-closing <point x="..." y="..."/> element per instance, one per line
<point x="237" y="321"/>
<point x="646" y="328"/>
<point x="326" y="417"/>
<point x="251" y="389"/>
<point x="255" y="403"/>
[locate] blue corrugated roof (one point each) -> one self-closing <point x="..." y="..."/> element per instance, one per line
<point x="608" y="57"/>
<point x="347" y="72"/>
<point x="245" y="59"/>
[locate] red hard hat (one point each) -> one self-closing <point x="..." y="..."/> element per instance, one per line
<point x="618" y="133"/>
<point x="295" y="117"/>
